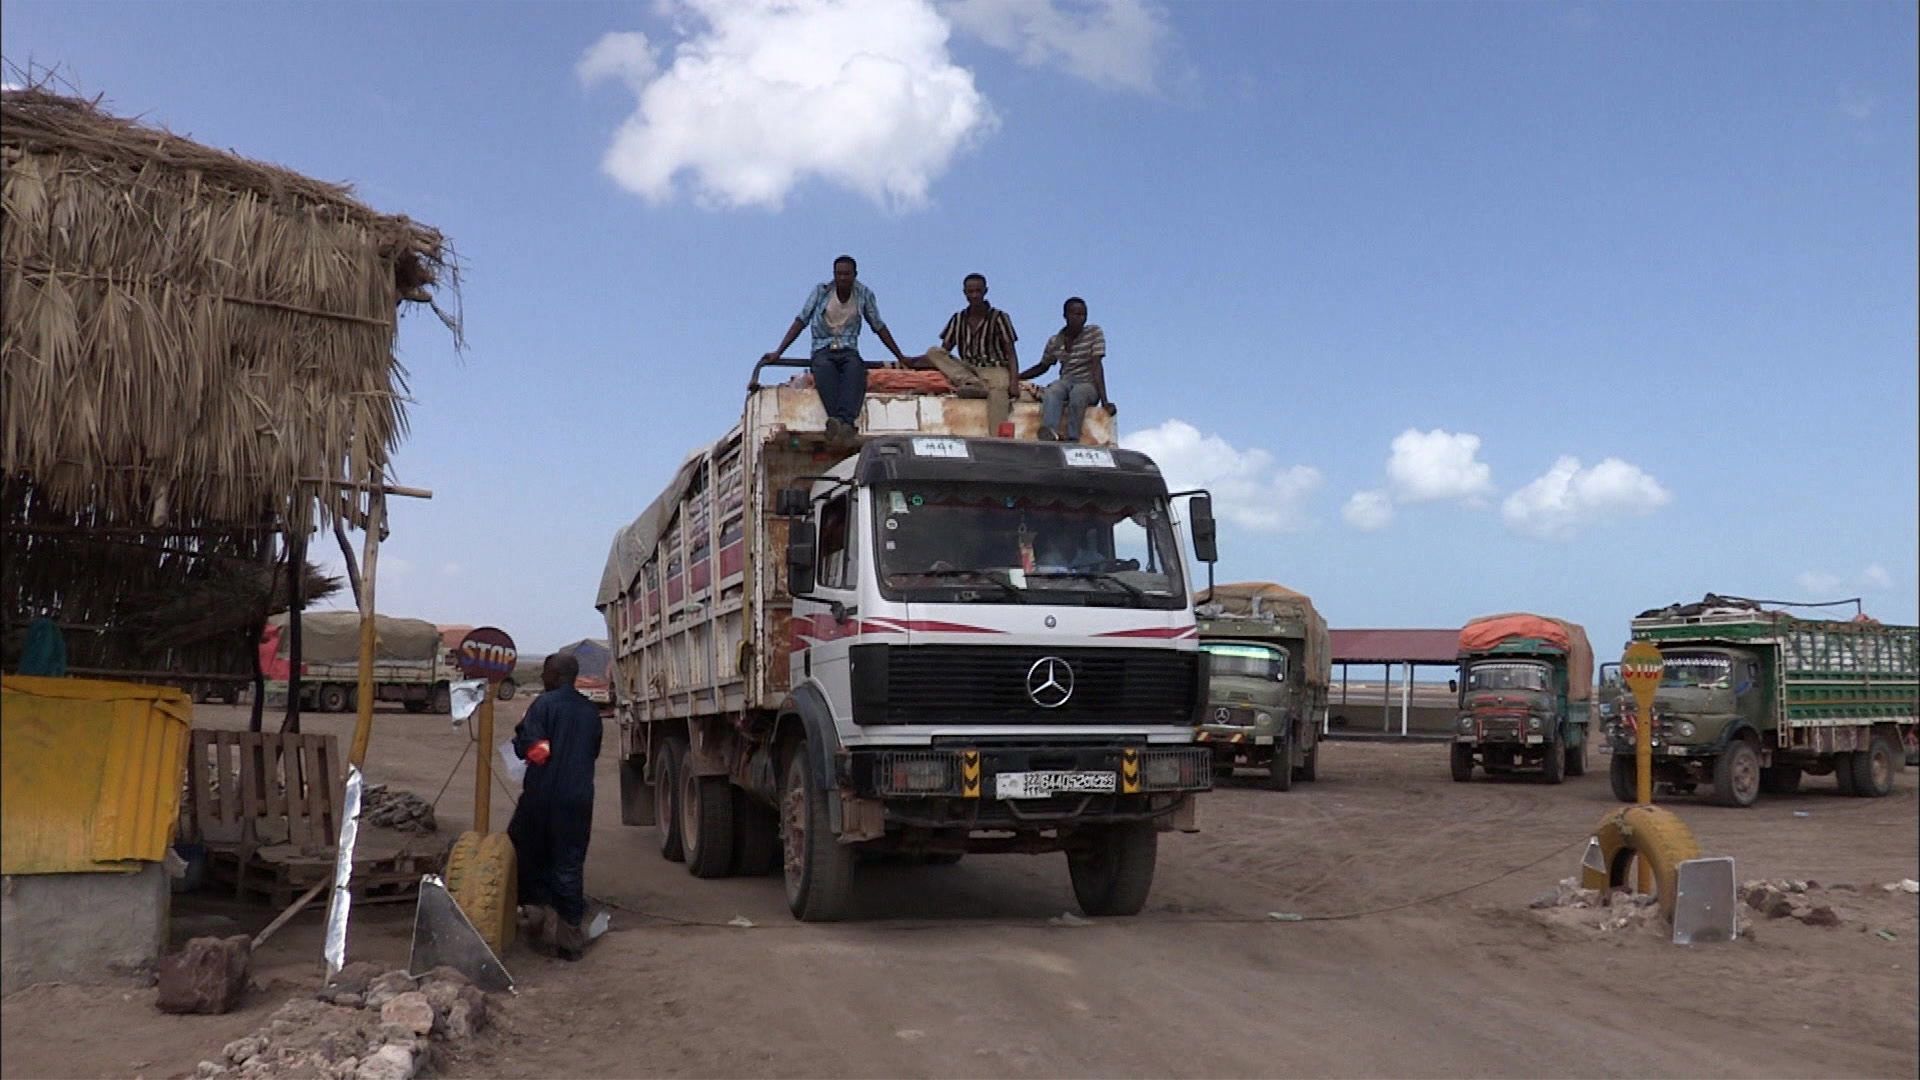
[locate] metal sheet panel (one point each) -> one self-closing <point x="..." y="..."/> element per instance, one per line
<point x="90" y="773"/>
<point x="1704" y="902"/>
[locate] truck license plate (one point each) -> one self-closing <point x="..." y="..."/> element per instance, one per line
<point x="1039" y="785"/>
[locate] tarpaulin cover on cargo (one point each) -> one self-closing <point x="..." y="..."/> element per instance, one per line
<point x="1256" y="598"/>
<point x="90" y="773"/>
<point x="1484" y="633"/>
<point x="333" y="637"/>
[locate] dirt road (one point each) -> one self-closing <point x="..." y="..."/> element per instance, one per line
<point x="966" y="970"/>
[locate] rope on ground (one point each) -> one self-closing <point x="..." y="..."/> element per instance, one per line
<point x="1183" y="920"/>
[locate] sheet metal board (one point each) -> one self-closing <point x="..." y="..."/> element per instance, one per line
<point x="1704" y="901"/>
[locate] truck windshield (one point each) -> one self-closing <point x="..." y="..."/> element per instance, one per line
<point x="1507" y="677"/>
<point x="1707" y="672"/>
<point x="1259" y="661"/>
<point x="1006" y="543"/>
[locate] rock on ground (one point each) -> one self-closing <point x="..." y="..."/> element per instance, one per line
<point x="208" y="976"/>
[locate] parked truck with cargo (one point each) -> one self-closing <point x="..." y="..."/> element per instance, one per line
<point x="929" y="644"/>
<point x="412" y="663"/>
<point x="1524" y="687"/>
<point x="1753" y="699"/>
<point x="1269" y="665"/>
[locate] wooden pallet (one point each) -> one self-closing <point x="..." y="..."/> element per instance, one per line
<point x="278" y="873"/>
<point x="251" y="791"/>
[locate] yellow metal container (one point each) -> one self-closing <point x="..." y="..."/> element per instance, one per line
<point x="90" y="773"/>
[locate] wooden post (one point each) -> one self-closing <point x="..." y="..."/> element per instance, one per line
<point x="483" y="767"/>
<point x="296" y="585"/>
<point x="370" y="557"/>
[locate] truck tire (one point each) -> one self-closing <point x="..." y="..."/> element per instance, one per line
<point x="334" y="698"/>
<point x="1621" y="775"/>
<point x="1115" y="873"/>
<point x="460" y="860"/>
<point x="1843" y="772"/>
<point x="756" y="836"/>
<point x="1873" y="768"/>
<point x="666" y="799"/>
<point x="1651" y="834"/>
<point x="1577" y="759"/>
<point x="817" y="867"/>
<point x="1280" y="766"/>
<point x="1780" y="779"/>
<point x="706" y="822"/>
<point x="1553" y="762"/>
<point x="1736" y="775"/>
<point x="1310" y="768"/>
<point x="442" y="699"/>
<point x="1462" y="759"/>
<point x="488" y="893"/>
<point x="505" y="690"/>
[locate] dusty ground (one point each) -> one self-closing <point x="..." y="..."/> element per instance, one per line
<point x="958" y="971"/>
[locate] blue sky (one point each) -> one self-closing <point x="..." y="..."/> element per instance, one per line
<point x="1462" y="308"/>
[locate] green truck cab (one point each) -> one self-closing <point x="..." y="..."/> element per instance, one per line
<point x="1753" y="699"/>
<point x="1524" y="688"/>
<point x="1269" y="665"/>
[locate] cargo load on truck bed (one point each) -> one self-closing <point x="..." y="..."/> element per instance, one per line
<point x="333" y="637"/>
<point x="1488" y="631"/>
<point x="1264" y="598"/>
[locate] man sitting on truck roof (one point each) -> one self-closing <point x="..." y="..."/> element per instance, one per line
<point x="982" y="336"/>
<point x="1081" y="352"/>
<point x="834" y="311"/>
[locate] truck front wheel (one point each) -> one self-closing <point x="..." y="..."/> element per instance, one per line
<point x="1462" y="763"/>
<point x="1553" y="762"/>
<point x="818" y="869"/>
<point x="666" y="788"/>
<point x="1621" y="774"/>
<point x="1280" y="765"/>
<point x="1310" y="767"/>
<point x="1736" y="775"/>
<point x="1113" y="875"/>
<point x="1577" y="759"/>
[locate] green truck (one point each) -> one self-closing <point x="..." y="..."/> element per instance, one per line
<point x="1524" y="688"/>
<point x="1270" y="661"/>
<point x="1752" y="699"/>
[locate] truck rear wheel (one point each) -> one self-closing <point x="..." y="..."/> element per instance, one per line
<point x="1115" y="873"/>
<point x="1310" y="768"/>
<point x="1736" y="775"/>
<point x="1280" y="766"/>
<point x="1577" y="759"/>
<point x="666" y="793"/>
<point x="1621" y="774"/>
<point x="1553" y="762"/>
<point x="756" y="836"/>
<point x="1462" y="763"/>
<point x="706" y="822"/>
<point x="334" y="698"/>
<point x="505" y="690"/>
<point x="1873" y="768"/>
<point x="442" y="699"/>
<point x="818" y="868"/>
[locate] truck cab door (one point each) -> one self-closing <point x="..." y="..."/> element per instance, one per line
<point x="829" y="619"/>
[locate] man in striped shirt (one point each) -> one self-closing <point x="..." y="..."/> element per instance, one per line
<point x="1081" y="352"/>
<point x="986" y="364"/>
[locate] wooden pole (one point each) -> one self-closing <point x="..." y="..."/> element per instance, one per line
<point x="369" y="560"/>
<point x="483" y="767"/>
<point x="296" y="585"/>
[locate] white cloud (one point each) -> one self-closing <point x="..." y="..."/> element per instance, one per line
<point x="451" y="569"/>
<point x="1564" y="498"/>
<point x="623" y="54"/>
<point x="1875" y="576"/>
<point x="1818" y="584"/>
<point x="1249" y="488"/>
<point x="1368" y="510"/>
<point x="1110" y="43"/>
<point x="1438" y="464"/>
<point x="761" y="95"/>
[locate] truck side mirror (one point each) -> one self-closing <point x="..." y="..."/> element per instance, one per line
<point x="1453" y="686"/>
<point x="801" y="557"/>
<point x="1206" y="545"/>
<point x="792" y="502"/>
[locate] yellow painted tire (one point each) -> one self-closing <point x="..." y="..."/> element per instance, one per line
<point x="1657" y="836"/>
<point x="460" y="859"/>
<point x="489" y="892"/>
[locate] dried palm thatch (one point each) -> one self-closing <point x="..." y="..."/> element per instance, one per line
<point x="189" y="334"/>
<point x="197" y="355"/>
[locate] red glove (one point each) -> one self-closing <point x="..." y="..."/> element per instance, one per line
<point x="539" y="752"/>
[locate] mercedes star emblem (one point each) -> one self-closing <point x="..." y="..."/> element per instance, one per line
<point x="1050" y="682"/>
<point x="1222" y="715"/>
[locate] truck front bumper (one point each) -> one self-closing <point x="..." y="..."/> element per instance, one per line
<point x="962" y="788"/>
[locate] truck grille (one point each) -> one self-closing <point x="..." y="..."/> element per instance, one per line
<point x="964" y="684"/>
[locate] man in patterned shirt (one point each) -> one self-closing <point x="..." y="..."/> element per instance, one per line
<point x="983" y="338"/>
<point x="834" y="311"/>
<point x="1081" y="352"/>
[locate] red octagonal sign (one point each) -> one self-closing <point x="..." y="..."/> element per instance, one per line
<point x="486" y="653"/>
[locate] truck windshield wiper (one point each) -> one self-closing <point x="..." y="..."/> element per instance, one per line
<point x="1005" y="586"/>
<point x="1094" y="575"/>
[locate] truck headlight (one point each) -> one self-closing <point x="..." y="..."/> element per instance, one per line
<point x="1466" y="723"/>
<point x="1533" y="722"/>
<point x="1175" y="770"/>
<point x="913" y="773"/>
<point x="1262" y="718"/>
<point x="1684" y="729"/>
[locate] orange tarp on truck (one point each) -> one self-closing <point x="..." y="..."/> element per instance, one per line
<point x="1482" y="634"/>
<point x="90" y="773"/>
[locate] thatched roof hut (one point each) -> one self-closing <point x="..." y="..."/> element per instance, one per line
<point x="197" y="356"/>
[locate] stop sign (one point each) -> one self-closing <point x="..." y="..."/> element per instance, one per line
<point x="486" y="653"/>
